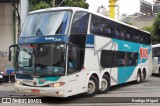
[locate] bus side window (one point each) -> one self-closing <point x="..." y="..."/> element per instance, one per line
<point x="73" y="58"/>
<point x="98" y="29"/>
<point x="120" y="62"/>
<point x="107" y="31"/>
<point x="121" y="34"/>
<point x="115" y="34"/>
<point x="80" y="22"/>
<point x="127" y="36"/>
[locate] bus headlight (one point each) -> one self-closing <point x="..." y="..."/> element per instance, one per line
<point x="18" y="82"/>
<point x="57" y="84"/>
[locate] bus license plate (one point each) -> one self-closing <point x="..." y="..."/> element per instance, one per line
<point x="35" y="91"/>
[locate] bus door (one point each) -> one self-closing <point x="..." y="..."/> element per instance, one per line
<point x="75" y="78"/>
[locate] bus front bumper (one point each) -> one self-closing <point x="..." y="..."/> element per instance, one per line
<point x="41" y="91"/>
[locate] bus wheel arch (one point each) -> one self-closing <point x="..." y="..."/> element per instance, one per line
<point x="93" y="85"/>
<point x="105" y="83"/>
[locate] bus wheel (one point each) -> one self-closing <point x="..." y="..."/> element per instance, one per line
<point x="105" y="84"/>
<point x="138" y="80"/>
<point x="92" y="87"/>
<point x="143" y="76"/>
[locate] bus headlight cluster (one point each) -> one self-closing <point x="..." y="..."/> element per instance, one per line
<point x="57" y="84"/>
<point x="19" y="82"/>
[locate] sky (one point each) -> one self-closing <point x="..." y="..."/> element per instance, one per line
<point x="125" y="6"/>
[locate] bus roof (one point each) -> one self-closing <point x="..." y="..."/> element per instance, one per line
<point x="82" y="9"/>
<point x="156" y="45"/>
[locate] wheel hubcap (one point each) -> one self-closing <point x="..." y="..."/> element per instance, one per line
<point x="138" y="77"/>
<point x="91" y="86"/>
<point x="104" y="84"/>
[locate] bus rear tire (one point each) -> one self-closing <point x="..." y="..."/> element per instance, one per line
<point x="138" y="80"/>
<point x="105" y="84"/>
<point x="92" y="87"/>
<point x="143" y="76"/>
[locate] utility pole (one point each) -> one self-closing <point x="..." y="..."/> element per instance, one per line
<point x="112" y="5"/>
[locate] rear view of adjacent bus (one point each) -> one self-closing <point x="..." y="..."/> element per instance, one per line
<point x="156" y="58"/>
<point x="67" y="51"/>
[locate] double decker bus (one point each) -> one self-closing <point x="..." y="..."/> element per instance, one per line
<point x="66" y="51"/>
<point x="156" y="58"/>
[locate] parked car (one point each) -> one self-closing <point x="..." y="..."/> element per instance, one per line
<point x="7" y="76"/>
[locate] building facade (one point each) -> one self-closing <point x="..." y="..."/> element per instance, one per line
<point x="10" y="26"/>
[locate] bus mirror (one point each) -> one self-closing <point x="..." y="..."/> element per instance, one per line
<point x="10" y="51"/>
<point x="10" y="54"/>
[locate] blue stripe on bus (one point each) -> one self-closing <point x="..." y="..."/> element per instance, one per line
<point x="124" y="73"/>
<point x="44" y="39"/>
<point x="90" y="41"/>
<point x="132" y="47"/>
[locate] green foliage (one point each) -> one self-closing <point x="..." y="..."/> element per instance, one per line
<point x="39" y="4"/>
<point x="148" y="28"/>
<point x="128" y="23"/>
<point x="75" y="3"/>
<point x="156" y="26"/>
<point x="156" y="30"/>
<point x="155" y="38"/>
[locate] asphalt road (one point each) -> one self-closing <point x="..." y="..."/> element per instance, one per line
<point x="128" y="93"/>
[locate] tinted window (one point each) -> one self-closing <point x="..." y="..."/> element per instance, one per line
<point x="80" y="41"/>
<point x="117" y="58"/>
<point x="96" y="25"/>
<point x="104" y="27"/>
<point x="156" y="52"/>
<point x="121" y="31"/>
<point x="80" y="23"/>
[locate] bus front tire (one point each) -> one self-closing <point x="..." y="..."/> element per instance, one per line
<point x="105" y="84"/>
<point x="92" y="87"/>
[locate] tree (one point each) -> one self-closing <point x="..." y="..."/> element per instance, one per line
<point x="148" y="28"/>
<point x="40" y="4"/>
<point x="156" y="30"/>
<point x="155" y="39"/>
<point x="75" y="3"/>
<point x="156" y="26"/>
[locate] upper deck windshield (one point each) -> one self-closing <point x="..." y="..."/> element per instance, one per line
<point x="47" y="23"/>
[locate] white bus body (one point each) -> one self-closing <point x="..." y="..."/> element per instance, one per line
<point x="107" y="53"/>
<point x="156" y="58"/>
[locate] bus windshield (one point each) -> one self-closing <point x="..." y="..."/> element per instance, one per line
<point x="47" y="23"/>
<point x="41" y="59"/>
